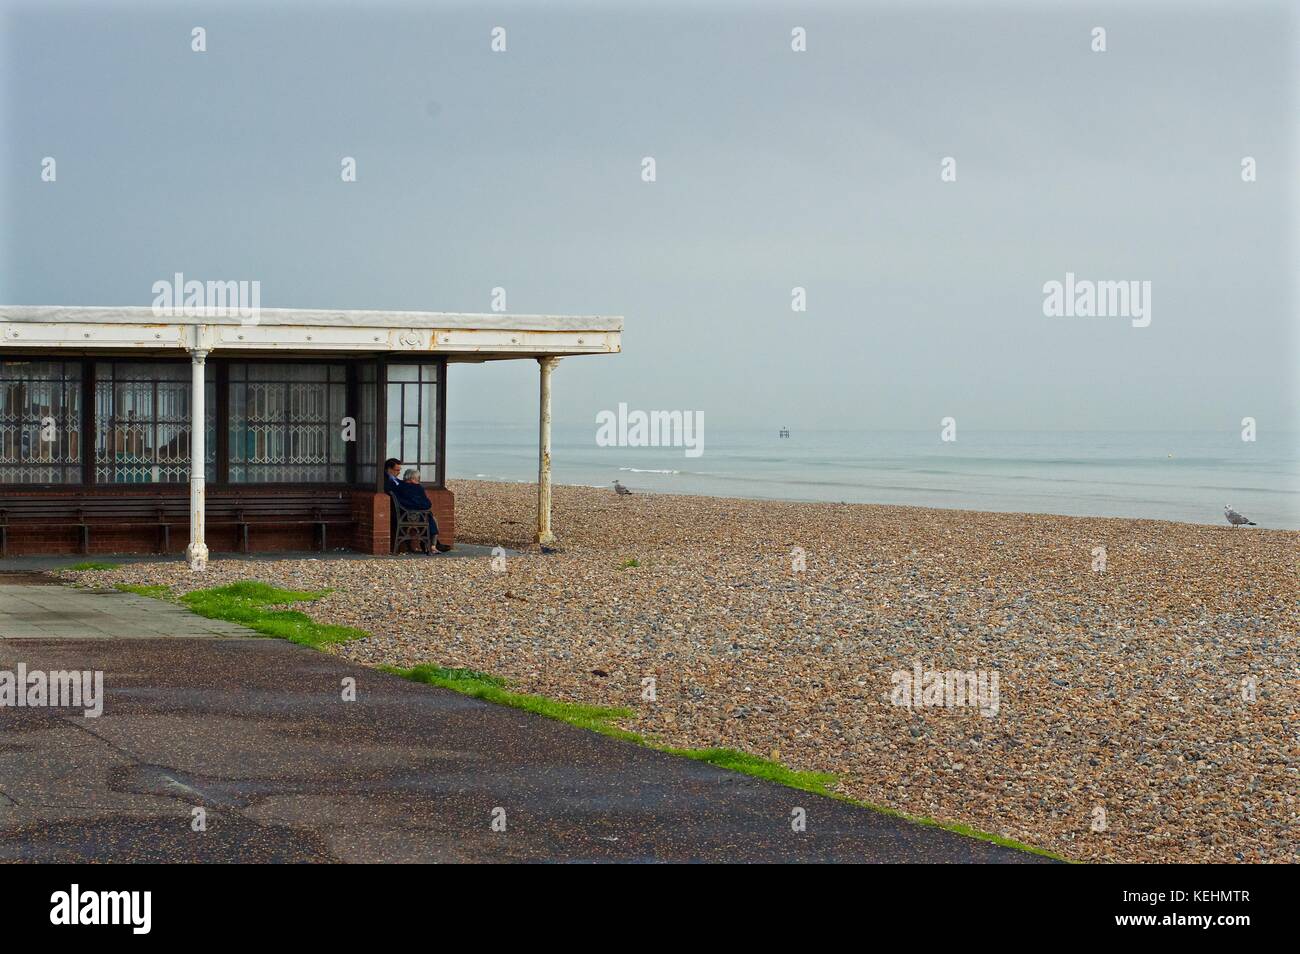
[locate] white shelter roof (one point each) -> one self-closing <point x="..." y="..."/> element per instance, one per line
<point x="477" y="336"/>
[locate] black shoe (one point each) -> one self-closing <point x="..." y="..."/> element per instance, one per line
<point x="441" y="547"/>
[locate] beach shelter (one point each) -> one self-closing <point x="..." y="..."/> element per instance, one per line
<point x="265" y="431"/>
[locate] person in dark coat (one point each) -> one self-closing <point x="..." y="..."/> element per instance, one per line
<point x="410" y="492"/>
<point x="392" y="468"/>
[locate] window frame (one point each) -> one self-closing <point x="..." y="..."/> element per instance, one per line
<point x="381" y="415"/>
<point x="438" y="437"/>
<point x="67" y="386"/>
<point x="90" y="370"/>
<point x="224" y="465"/>
<point x="217" y="369"/>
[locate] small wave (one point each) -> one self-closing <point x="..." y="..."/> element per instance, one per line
<point x="638" y="470"/>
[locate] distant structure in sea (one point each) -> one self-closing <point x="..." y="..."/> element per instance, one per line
<point x="783" y="432"/>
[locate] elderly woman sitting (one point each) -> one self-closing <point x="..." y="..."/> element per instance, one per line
<point x="410" y="492"/>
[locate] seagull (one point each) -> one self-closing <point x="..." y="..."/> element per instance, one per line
<point x="1235" y="518"/>
<point x="620" y="489"/>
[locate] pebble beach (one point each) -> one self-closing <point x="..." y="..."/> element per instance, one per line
<point x="1147" y="674"/>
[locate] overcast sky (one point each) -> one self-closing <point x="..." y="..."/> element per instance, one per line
<point x="775" y="169"/>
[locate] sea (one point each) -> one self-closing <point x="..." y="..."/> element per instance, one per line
<point x="1187" y="476"/>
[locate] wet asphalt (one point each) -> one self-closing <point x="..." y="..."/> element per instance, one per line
<point x="221" y="749"/>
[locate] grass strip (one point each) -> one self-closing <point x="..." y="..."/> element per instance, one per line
<point x="819" y="783"/>
<point x="157" y="591"/>
<point x="492" y="689"/>
<point x="253" y="605"/>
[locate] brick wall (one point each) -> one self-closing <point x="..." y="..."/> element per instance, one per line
<point x="444" y="511"/>
<point x="372" y="513"/>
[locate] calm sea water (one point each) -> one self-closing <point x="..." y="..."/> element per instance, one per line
<point x="1182" y="475"/>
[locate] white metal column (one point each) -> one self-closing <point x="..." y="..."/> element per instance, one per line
<point x="544" y="534"/>
<point x="196" y="554"/>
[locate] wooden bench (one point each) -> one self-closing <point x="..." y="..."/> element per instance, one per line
<point x="317" y="509"/>
<point x="89" y="513"/>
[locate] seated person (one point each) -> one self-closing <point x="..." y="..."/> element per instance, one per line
<point x="392" y="468"/>
<point x="409" y="493"/>
<point x="410" y="489"/>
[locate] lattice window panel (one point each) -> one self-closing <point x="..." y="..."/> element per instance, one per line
<point x="40" y="422"/>
<point x="286" y="423"/>
<point x="142" y="423"/>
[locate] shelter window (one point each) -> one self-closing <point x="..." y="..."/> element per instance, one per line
<point x="286" y="423"/>
<point x="142" y="423"/>
<point x="40" y="422"/>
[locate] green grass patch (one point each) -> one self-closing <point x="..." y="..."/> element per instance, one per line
<point x="492" y="689"/>
<point x="92" y="565"/>
<point x="157" y="590"/>
<point x="252" y="604"/>
<point x="261" y="593"/>
<point x="970" y="832"/>
<point x="819" y="783"/>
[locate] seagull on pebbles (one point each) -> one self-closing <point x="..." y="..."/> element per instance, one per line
<point x="1235" y="518"/>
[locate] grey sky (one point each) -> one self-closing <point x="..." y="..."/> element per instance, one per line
<point x="775" y="169"/>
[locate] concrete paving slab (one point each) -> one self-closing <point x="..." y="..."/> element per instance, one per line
<point x="41" y="612"/>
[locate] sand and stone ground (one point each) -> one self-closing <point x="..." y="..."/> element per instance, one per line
<point x="1147" y="712"/>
